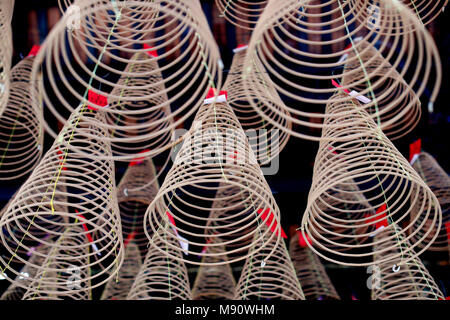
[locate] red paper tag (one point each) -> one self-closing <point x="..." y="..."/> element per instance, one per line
<point x="415" y="148"/>
<point x="379" y="223"/>
<point x="171" y="219"/>
<point x="302" y="241"/>
<point x="212" y="91"/>
<point x="337" y="85"/>
<point x="139" y="160"/>
<point x="130" y="237"/>
<point x="96" y="98"/>
<point x="34" y="50"/>
<point x="151" y="52"/>
<point x="269" y="221"/>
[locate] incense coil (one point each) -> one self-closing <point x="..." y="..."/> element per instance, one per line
<point x="243" y="14"/>
<point x="411" y="281"/>
<point x="136" y="190"/>
<point x="255" y="126"/>
<point x="269" y="278"/>
<point x="118" y="289"/>
<point x="215" y="156"/>
<point x="180" y="67"/>
<point x="316" y="284"/>
<point x="161" y="277"/>
<point x="6" y="48"/>
<point x="144" y="121"/>
<point x="392" y="93"/>
<point x="21" y="131"/>
<point x="214" y="282"/>
<point x="300" y="44"/>
<point x="366" y="166"/>
<point x="437" y="179"/>
<point x="65" y="272"/>
<point x="66" y="191"/>
<point x="15" y="292"/>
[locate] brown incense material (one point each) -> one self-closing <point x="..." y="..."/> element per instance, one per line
<point x="289" y="42"/>
<point x="271" y="278"/>
<point x="366" y="166"/>
<point x="21" y="130"/>
<point x="439" y="182"/>
<point x="168" y="78"/>
<point x="118" y="287"/>
<point x="266" y="140"/>
<point x="66" y="194"/>
<point x="410" y="281"/>
<point x="214" y="158"/>
<point x="316" y="284"/>
<point x="161" y="277"/>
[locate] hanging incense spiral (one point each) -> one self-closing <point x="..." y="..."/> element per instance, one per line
<point x="118" y="288"/>
<point x="410" y="281"/>
<point x="161" y="277"/>
<point x="316" y="284"/>
<point x="360" y="186"/>
<point x="67" y="196"/>
<point x="269" y="278"/>
<point x="21" y="130"/>
<point x="437" y="179"/>
<point x="214" y="158"/>
<point x="135" y="192"/>
<point x="304" y="47"/>
<point x="122" y="66"/>
<point x="266" y="140"/>
<point x="214" y="282"/>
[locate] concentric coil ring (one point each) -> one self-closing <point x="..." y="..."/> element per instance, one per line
<point x="266" y="140"/>
<point x="302" y="45"/>
<point x="67" y="196"/>
<point x="118" y="288"/>
<point x="316" y="284"/>
<point x="162" y="77"/>
<point x="269" y="278"/>
<point x="214" y="158"/>
<point x="360" y="186"/>
<point x="243" y="14"/>
<point x="410" y="281"/>
<point x="21" y="131"/>
<point x="161" y="277"/>
<point x="437" y="179"/>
